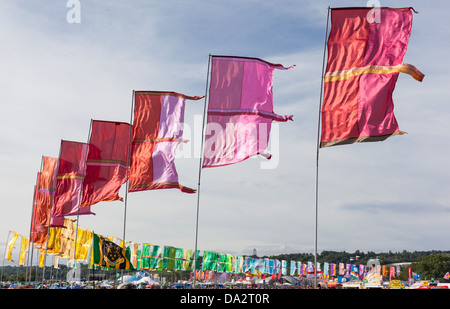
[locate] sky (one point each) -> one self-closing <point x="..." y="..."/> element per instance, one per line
<point x="57" y="73"/>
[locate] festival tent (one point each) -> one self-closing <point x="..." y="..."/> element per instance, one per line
<point x="290" y="280"/>
<point x="124" y="278"/>
<point x="137" y="276"/>
<point x="148" y="281"/>
<point x="141" y="277"/>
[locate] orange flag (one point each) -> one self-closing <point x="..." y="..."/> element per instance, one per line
<point x="44" y="199"/>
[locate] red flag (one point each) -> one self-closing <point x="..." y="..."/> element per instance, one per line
<point x="45" y="190"/>
<point x="240" y="110"/>
<point x="157" y="131"/>
<point x="365" y="55"/>
<point x="107" y="160"/>
<point x="71" y="165"/>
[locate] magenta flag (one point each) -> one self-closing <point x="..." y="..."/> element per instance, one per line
<point x="69" y="181"/>
<point x="240" y="110"/>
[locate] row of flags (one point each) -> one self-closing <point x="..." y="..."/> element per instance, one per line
<point x="110" y="253"/>
<point x="365" y="56"/>
<point x="144" y="153"/>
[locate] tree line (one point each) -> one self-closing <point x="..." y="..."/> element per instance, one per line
<point x="431" y="265"/>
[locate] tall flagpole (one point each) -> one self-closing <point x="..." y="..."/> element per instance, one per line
<point x="128" y="168"/>
<point x="33" y="222"/>
<point x="4" y="254"/>
<point x="33" y="217"/>
<point x="200" y="171"/>
<point x="55" y="173"/>
<point x="317" y="155"/>
<point x="81" y="194"/>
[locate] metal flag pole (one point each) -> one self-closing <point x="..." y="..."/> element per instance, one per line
<point x="317" y="155"/>
<point x="4" y="255"/>
<point x="127" y="175"/>
<point x="36" y="190"/>
<point x="33" y="217"/>
<point x="200" y="171"/>
<point x="55" y="172"/>
<point x="80" y="196"/>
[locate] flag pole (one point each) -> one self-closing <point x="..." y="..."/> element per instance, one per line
<point x="4" y="255"/>
<point x="318" y="147"/>
<point x="33" y="217"/>
<point x="55" y="172"/>
<point x="80" y="196"/>
<point x="200" y="171"/>
<point x="127" y="175"/>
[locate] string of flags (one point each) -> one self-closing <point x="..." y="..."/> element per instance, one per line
<point x="109" y="253"/>
<point x="365" y="56"/>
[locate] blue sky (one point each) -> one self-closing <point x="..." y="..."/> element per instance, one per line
<point x="57" y="76"/>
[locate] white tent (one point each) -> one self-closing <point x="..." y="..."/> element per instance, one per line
<point x="147" y="280"/>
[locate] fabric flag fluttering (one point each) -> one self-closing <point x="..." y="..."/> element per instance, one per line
<point x="366" y="47"/>
<point x="240" y="110"/>
<point x="157" y="131"/>
<point x="24" y="250"/>
<point x="108" y="254"/>
<point x="69" y="181"/>
<point x="45" y="189"/>
<point x="12" y="238"/>
<point x="107" y="161"/>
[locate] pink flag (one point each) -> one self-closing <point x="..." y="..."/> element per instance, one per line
<point x="69" y="180"/>
<point x="240" y="110"/>
<point x="157" y="131"/>
<point x="365" y="56"/>
<point x="107" y="160"/>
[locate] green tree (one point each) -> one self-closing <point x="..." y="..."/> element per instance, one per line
<point x="432" y="267"/>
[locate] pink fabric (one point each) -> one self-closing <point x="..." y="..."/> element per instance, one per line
<point x="164" y="170"/>
<point x="171" y="119"/>
<point x="157" y="131"/>
<point x="170" y="125"/>
<point x="365" y="56"/>
<point x="240" y="110"/>
<point x="388" y="38"/>
<point x="386" y="46"/>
